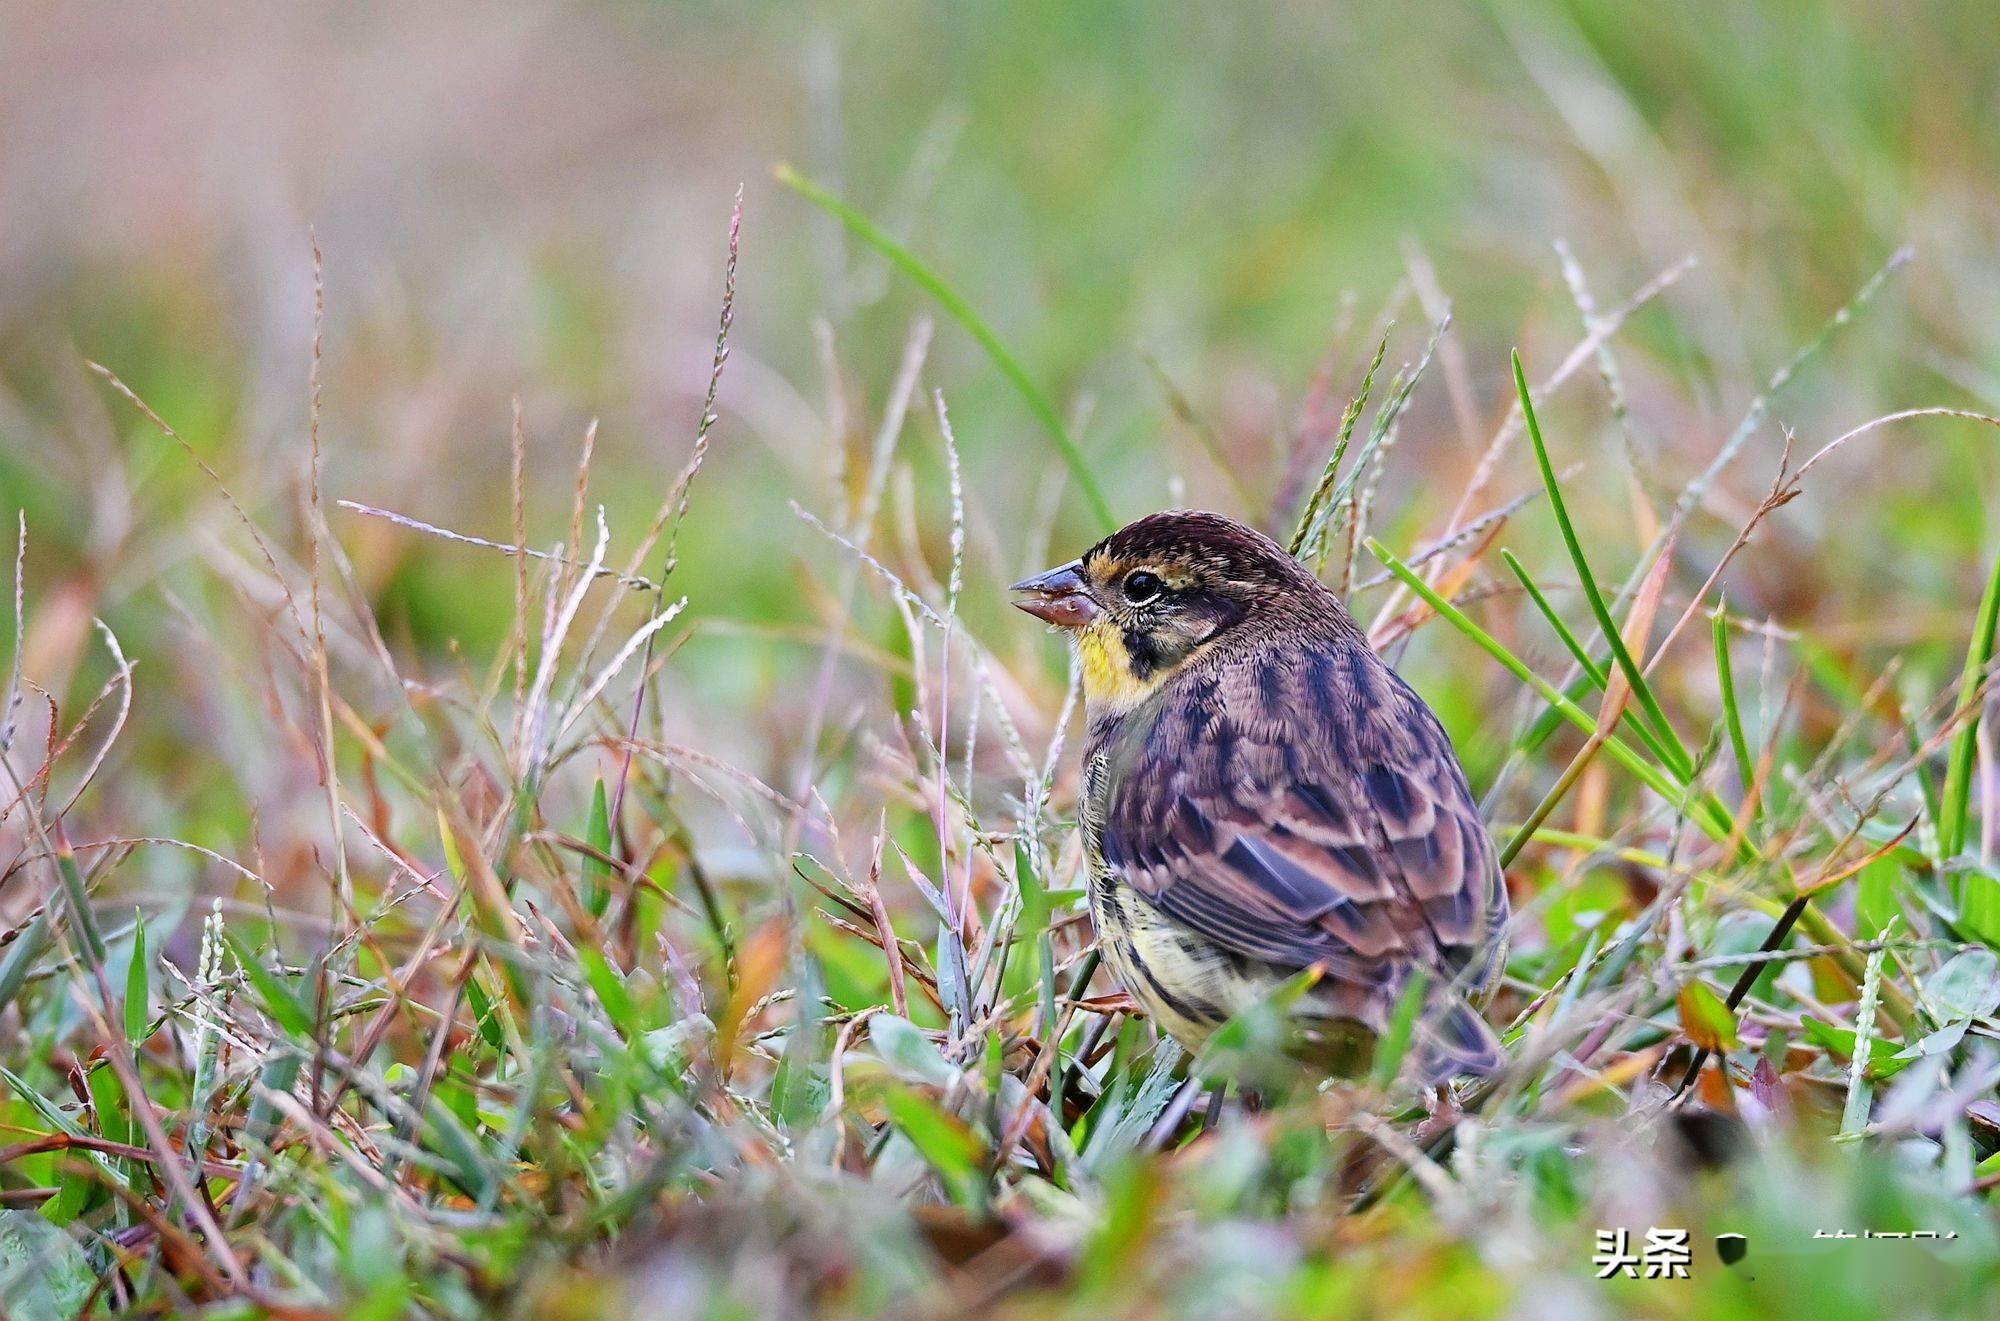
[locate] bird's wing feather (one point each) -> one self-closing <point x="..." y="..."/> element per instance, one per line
<point x="1299" y="805"/>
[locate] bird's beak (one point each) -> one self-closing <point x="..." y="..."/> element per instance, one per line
<point x="1058" y="597"/>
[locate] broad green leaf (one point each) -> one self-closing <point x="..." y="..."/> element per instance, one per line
<point x="1708" y="1022"/>
<point x="1119" y="1132"/>
<point x="942" y="1140"/>
<point x="1883" y="1056"/>
<point x="908" y="1052"/>
<point x="1732" y="714"/>
<point x="57" y="1120"/>
<point x="50" y="1114"/>
<point x="483" y="1016"/>
<point x="609" y="988"/>
<point x="1979" y="905"/>
<point x="84" y="916"/>
<point x="1875" y="897"/>
<point x="1967" y="986"/>
<point x="668" y="1049"/>
<point x="1941" y="1042"/>
<point x="466" y="1162"/>
<point x="43" y="1271"/>
<point x="799" y="1087"/>
<point x="1034" y="894"/>
<point x="107" y="1097"/>
<point x="452" y="858"/>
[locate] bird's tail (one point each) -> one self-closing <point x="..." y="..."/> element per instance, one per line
<point x="1453" y="1041"/>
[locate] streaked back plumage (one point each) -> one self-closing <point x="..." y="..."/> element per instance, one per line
<point x="1282" y="800"/>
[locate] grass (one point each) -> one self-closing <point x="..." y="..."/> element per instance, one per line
<point x="548" y="878"/>
<point x="962" y="312"/>
<point x="523" y="1049"/>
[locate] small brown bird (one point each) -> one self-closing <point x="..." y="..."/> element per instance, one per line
<point x="1263" y="795"/>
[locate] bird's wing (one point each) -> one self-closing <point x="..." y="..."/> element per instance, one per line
<point x="1299" y="805"/>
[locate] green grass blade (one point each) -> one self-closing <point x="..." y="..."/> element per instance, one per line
<point x="1543" y="727"/>
<point x="49" y="1113"/>
<point x="79" y="900"/>
<point x="138" y="985"/>
<point x="1957" y="803"/>
<point x="277" y="998"/>
<point x="1598" y="675"/>
<point x="1732" y="715"/>
<point x="1679" y="760"/>
<point x="279" y="1074"/>
<point x="597" y="834"/>
<point x="961" y="311"/>
<point x="484" y="1016"/>
<point x="1716" y="824"/>
<point x="610" y="990"/>
<point x="1313" y="517"/>
<point x="20" y="957"/>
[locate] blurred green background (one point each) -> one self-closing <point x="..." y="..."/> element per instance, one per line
<point x="528" y="201"/>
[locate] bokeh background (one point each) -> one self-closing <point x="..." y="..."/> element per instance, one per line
<point x="523" y="200"/>
<point x="1191" y="223"/>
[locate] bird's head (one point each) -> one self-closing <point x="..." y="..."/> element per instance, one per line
<point x="1142" y="602"/>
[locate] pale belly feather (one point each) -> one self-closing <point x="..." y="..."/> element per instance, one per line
<point x="1185" y="985"/>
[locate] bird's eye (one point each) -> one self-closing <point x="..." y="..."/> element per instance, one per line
<point x="1142" y="585"/>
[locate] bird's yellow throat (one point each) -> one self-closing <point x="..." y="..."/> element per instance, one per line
<point x="1109" y="685"/>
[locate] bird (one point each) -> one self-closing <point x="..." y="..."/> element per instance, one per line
<point x="1263" y="797"/>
